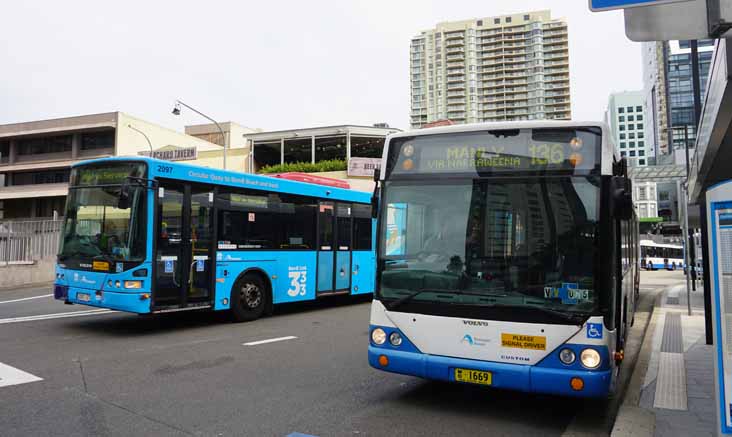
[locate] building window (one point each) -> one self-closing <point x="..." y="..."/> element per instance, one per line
<point x="298" y="150"/>
<point x="622" y="136"/>
<point x="37" y="146"/>
<point x="640" y="135"/>
<point x="622" y="145"/>
<point x="41" y="177"/>
<point x="496" y="21"/>
<point x="267" y="153"/>
<point x="631" y="126"/>
<point x="639" y="126"/>
<point x="621" y="110"/>
<point x="632" y="143"/>
<point x="631" y="136"/>
<point x="629" y="109"/>
<point x="622" y="127"/>
<point x="631" y="118"/>
<point x="327" y="148"/>
<point x="621" y="119"/>
<point x="480" y="22"/>
<point x="622" y="154"/>
<point x="527" y="17"/>
<point x="641" y="153"/>
<point x="4" y="151"/>
<point x="641" y="162"/>
<point x="367" y="147"/>
<point x="98" y="140"/>
<point x="639" y="109"/>
<point x="632" y="153"/>
<point x="639" y="117"/>
<point x="508" y="19"/>
<point x="641" y="143"/>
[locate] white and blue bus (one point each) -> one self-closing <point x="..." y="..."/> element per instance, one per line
<point x="656" y="256"/>
<point x="149" y="236"/>
<point x="507" y="256"/>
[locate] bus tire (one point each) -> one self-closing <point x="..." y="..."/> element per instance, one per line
<point x="250" y="298"/>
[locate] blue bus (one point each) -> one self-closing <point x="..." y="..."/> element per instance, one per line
<point x="149" y="236"/>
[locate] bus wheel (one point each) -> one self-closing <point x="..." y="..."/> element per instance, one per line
<point x="249" y="298"/>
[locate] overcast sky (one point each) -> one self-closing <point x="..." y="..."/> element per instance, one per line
<point x="268" y="64"/>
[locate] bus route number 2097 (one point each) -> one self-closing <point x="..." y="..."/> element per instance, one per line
<point x="165" y="169"/>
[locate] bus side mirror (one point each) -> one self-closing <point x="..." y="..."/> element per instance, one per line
<point x="123" y="201"/>
<point x="377" y="174"/>
<point x="622" y="198"/>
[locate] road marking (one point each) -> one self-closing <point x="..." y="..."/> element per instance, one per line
<point x="25" y="298"/>
<point x="12" y="376"/>
<point x="56" y="316"/>
<point x="271" y="340"/>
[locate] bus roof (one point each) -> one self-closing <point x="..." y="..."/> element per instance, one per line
<point x="214" y="176"/>
<point x="608" y="149"/>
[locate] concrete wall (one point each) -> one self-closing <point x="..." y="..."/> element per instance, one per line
<point x="16" y="275"/>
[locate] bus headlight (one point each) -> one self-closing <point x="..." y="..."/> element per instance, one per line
<point x="567" y="356"/>
<point x="395" y="339"/>
<point x="133" y="284"/>
<point x="590" y="358"/>
<point x="378" y="336"/>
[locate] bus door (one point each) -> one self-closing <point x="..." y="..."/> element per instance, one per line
<point x="184" y="246"/>
<point x="326" y="247"/>
<point x="343" y="235"/>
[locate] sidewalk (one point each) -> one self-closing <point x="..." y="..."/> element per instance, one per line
<point x="675" y="390"/>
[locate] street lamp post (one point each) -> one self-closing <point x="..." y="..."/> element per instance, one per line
<point x="143" y="134"/>
<point x="176" y="111"/>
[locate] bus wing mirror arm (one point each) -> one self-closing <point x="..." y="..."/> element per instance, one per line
<point x="123" y="201"/>
<point x="375" y="195"/>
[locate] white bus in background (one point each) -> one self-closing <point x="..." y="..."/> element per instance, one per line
<point x="656" y="256"/>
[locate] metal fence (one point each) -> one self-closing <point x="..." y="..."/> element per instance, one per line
<point x="28" y="241"/>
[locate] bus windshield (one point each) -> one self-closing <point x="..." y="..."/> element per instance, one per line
<point x="95" y="226"/>
<point x="526" y="242"/>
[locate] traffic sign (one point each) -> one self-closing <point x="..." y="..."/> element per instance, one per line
<point x="607" y="5"/>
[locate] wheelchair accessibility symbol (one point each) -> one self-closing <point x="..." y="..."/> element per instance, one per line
<point x="594" y="330"/>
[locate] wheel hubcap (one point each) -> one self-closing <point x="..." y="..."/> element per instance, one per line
<point x="251" y="296"/>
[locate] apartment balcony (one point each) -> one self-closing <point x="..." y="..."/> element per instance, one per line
<point x="557" y="55"/>
<point x="454" y="108"/>
<point x="456" y="64"/>
<point x="456" y="93"/>
<point x="515" y="90"/>
<point x="557" y="85"/>
<point x="455" y="42"/>
<point x="550" y="48"/>
<point x="455" y="50"/>
<point x="559" y="62"/>
<point x="556" y="78"/>
<point x="556" y="93"/>
<point x="458" y="57"/>
<point x="550" y="71"/>
<point x="456" y="86"/>
<point x="554" y="102"/>
<point x="455" y="100"/>
<point x="454" y="71"/>
<point x="453" y="79"/>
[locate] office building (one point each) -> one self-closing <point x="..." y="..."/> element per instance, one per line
<point x="669" y="95"/>
<point x="626" y="117"/>
<point x="503" y="68"/>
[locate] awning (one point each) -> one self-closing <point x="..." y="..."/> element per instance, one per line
<point x="33" y="191"/>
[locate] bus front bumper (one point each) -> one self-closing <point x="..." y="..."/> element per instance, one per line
<point x="132" y="302"/>
<point x="532" y="379"/>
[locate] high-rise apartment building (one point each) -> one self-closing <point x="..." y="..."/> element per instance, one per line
<point x="509" y="67"/>
<point x="626" y="117"/>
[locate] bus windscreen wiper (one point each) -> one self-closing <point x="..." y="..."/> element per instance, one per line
<point x="575" y="319"/>
<point x="397" y="303"/>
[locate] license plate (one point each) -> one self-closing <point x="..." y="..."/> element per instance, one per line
<point x="83" y="297"/>
<point x="473" y="376"/>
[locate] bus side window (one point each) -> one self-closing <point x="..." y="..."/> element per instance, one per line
<point x="362" y="227"/>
